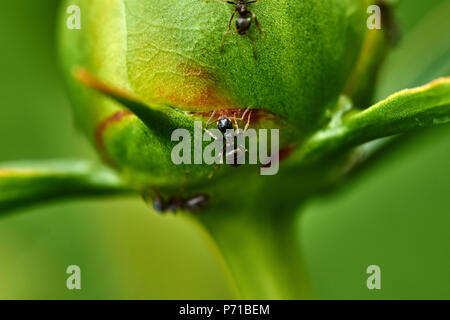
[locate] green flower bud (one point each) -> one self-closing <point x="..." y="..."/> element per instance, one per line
<point x="167" y="53"/>
<point x="139" y="70"/>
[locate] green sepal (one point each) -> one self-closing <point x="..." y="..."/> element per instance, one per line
<point x="28" y="183"/>
<point x="407" y="110"/>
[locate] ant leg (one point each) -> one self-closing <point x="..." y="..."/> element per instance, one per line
<point x="209" y="120"/>
<point x="258" y="26"/>
<point x="243" y="115"/>
<point x="232" y="152"/>
<point x="230" y="2"/>
<point x="158" y="202"/>
<point x="210" y="133"/>
<point x="223" y="39"/>
<point x="235" y="121"/>
<point x="231" y="19"/>
<point x="147" y="196"/>
<point x="220" y="155"/>
<point x="253" y="45"/>
<point x="248" y="121"/>
<point x="236" y="152"/>
<point x="245" y="112"/>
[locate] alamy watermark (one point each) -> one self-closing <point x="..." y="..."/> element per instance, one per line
<point x="73" y="282"/>
<point x="74" y="19"/>
<point x="227" y="147"/>
<point x="374" y="280"/>
<point x="374" y="20"/>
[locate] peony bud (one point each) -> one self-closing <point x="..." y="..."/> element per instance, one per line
<point x="168" y="54"/>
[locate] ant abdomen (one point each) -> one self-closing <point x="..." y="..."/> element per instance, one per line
<point x="243" y="21"/>
<point x="243" y="24"/>
<point x="224" y="124"/>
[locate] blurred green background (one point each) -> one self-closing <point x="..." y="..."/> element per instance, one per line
<point x="395" y="215"/>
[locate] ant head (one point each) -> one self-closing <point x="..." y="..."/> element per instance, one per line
<point x="158" y="204"/>
<point x="224" y="124"/>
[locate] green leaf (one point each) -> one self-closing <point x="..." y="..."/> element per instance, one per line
<point x="28" y="183"/>
<point x="407" y="110"/>
<point x="152" y="114"/>
<point x="377" y="44"/>
<point x="422" y="55"/>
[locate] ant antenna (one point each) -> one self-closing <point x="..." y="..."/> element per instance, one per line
<point x="209" y="120"/>
<point x="243" y="115"/>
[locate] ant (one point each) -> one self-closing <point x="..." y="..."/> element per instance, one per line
<point x="194" y="203"/>
<point x="174" y="203"/>
<point x="243" y="22"/>
<point x="225" y="126"/>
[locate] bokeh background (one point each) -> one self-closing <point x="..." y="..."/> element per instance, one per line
<point x="395" y="215"/>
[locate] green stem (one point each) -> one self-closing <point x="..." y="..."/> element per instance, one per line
<point x="262" y="252"/>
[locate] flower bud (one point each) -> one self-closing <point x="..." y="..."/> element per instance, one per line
<point x="169" y="53"/>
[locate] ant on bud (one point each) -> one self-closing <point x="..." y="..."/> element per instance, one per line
<point x="193" y="203"/>
<point x="243" y="21"/>
<point x="225" y="126"/>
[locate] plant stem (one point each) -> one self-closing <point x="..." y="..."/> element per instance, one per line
<point x="262" y="250"/>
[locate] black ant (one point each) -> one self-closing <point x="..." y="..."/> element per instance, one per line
<point x="178" y="202"/>
<point x="194" y="203"/>
<point x="243" y="21"/>
<point x="225" y="126"/>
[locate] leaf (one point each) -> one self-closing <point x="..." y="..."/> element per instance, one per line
<point x="427" y="58"/>
<point x="27" y="183"/>
<point x="152" y="115"/>
<point x="422" y="55"/>
<point x="377" y="44"/>
<point x="407" y="110"/>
